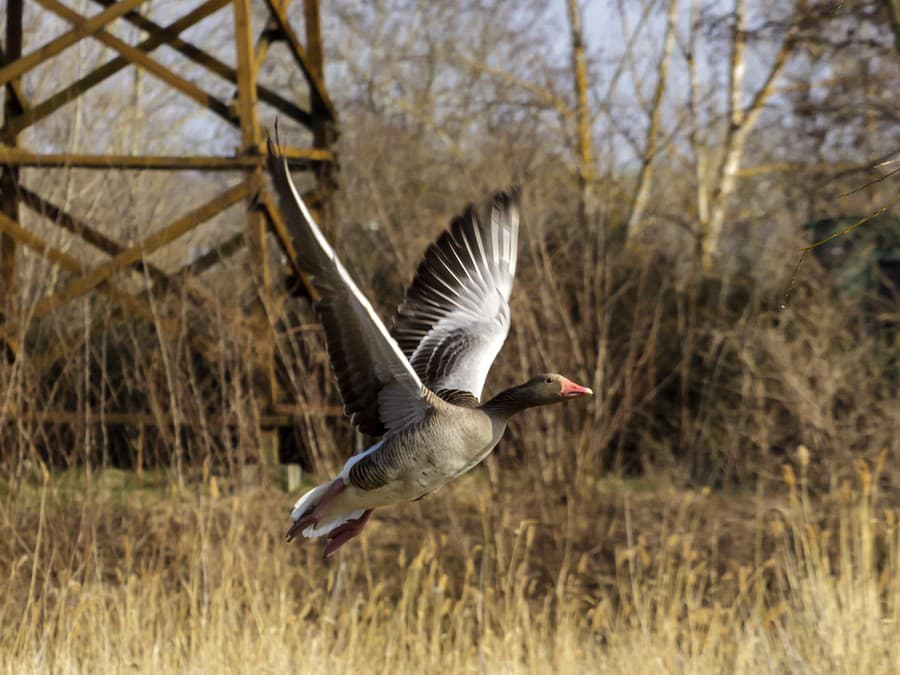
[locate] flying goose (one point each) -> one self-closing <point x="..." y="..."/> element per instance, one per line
<point x="417" y="387"/>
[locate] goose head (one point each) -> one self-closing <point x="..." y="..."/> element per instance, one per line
<point x="552" y="388"/>
<point x="542" y="389"/>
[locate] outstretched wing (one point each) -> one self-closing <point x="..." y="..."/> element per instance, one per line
<point x="455" y="316"/>
<point x="379" y="387"/>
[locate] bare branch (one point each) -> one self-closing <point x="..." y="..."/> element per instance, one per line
<point x="642" y="193"/>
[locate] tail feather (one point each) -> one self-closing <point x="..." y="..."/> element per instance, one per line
<point x="332" y="518"/>
<point x="309" y="500"/>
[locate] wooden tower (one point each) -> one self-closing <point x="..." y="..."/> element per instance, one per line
<point x="240" y="112"/>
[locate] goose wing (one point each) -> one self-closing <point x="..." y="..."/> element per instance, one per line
<point x="380" y="390"/>
<point x="455" y="316"/>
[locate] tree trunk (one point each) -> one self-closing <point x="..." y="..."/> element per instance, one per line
<point x="642" y="192"/>
<point x="741" y="123"/>
<point x="585" y="146"/>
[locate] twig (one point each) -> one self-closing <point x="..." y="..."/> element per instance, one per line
<point x="877" y="180"/>
<point x="848" y="230"/>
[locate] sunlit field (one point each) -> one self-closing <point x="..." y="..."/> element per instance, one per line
<point x="105" y="573"/>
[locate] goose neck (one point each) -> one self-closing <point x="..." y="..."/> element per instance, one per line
<point x="509" y="402"/>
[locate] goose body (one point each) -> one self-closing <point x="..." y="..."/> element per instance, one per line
<point x="417" y="386"/>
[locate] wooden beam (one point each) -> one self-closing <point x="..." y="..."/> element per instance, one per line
<point x="139" y="58"/>
<point x="41" y="110"/>
<point x="211" y="258"/>
<point x="9" y="176"/>
<point x="324" y="132"/>
<point x="246" y="76"/>
<point x="42" y="362"/>
<point x="166" y="235"/>
<point x="268" y="35"/>
<point x="314" y="51"/>
<point x="315" y="82"/>
<point x="287" y="244"/>
<point x="24" y="64"/>
<point x="177" y="283"/>
<point x="81" y="229"/>
<point x="16" y="84"/>
<point x="161" y="281"/>
<point x="297" y="157"/>
<point x="214" y="65"/>
<point x="224" y="250"/>
<point x="264" y="369"/>
<point x="272" y="420"/>
<point x="69" y="264"/>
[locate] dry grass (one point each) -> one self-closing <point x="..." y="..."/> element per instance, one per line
<point x="105" y="575"/>
<point x="668" y="524"/>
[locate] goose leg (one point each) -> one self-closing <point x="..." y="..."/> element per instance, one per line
<point x="312" y="517"/>
<point x="341" y="535"/>
<point x="336" y="487"/>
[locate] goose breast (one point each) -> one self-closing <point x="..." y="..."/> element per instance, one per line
<point x="418" y="460"/>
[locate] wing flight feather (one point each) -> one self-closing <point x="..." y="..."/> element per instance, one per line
<point x="379" y="387"/>
<point x="455" y="316"/>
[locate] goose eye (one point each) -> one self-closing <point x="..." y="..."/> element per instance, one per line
<point x="549" y="380"/>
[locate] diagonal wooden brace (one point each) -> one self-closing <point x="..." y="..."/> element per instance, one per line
<point x="141" y="59"/>
<point x="300" y="56"/>
<point x="126" y="301"/>
<point x="169" y="33"/>
<point x="54" y="47"/>
<point x="211" y="63"/>
<point x="169" y="233"/>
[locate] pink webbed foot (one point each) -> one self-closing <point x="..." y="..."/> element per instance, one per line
<point x="298" y="526"/>
<point x="341" y="535"/>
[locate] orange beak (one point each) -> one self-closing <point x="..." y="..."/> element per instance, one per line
<point x="572" y="390"/>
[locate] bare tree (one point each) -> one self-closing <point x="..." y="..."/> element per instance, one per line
<point x="741" y="121"/>
<point x="585" y="145"/>
<point x="642" y="192"/>
<point x="893" y="7"/>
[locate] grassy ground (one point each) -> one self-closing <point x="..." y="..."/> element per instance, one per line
<point x="108" y="572"/>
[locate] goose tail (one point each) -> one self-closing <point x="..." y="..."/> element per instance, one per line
<point x="319" y="512"/>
